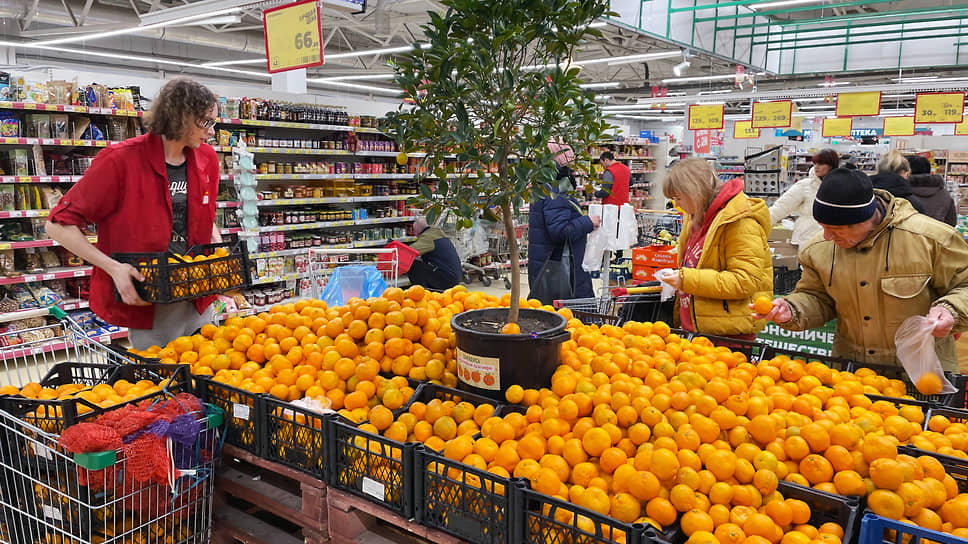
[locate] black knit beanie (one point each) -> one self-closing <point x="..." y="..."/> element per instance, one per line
<point x="919" y="165"/>
<point x="845" y="197"/>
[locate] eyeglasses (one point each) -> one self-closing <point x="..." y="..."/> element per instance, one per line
<point x="206" y="124"/>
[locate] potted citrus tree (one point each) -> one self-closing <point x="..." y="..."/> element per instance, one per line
<point x="490" y="88"/>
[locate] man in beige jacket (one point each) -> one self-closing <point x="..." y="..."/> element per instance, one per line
<point x="877" y="263"/>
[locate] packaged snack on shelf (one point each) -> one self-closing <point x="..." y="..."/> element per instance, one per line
<point x="9" y="125"/>
<point x="58" y="286"/>
<point x="19" y="161"/>
<point x="7" y="198"/>
<point x="8" y="304"/>
<point x="7" y="263"/>
<point x="50" y="196"/>
<point x="60" y="126"/>
<point x="43" y="294"/>
<point x="38" y="226"/>
<point x="32" y="261"/>
<point x="49" y="258"/>
<point x="24" y="298"/>
<point x="69" y="259"/>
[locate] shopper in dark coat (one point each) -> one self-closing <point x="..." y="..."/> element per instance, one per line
<point x="552" y="222"/>
<point x="892" y="173"/>
<point x="931" y="190"/>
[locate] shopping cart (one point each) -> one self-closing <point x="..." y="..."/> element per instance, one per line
<point x="499" y="251"/>
<point x="658" y="227"/>
<point x="59" y="497"/>
<point x="322" y="263"/>
<point x="621" y="305"/>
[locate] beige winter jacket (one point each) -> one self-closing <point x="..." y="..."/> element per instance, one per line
<point x="908" y="264"/>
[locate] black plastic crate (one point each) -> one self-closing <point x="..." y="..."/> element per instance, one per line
<point x="171" y="278"/>
<point x="754" y="351"/>
<point x="785" y="279"/>
<point x="245" y="413"/>
<point x="467" y="502"/>
<point x="295" y="437"/>
<point x="826" y="507"/>
<point x="644" y="307"/>
<point x="954" y="400"/>
<point x="836" y="363"/>
<point x="427" y="392"/>
<point x="540" y="519"/>
<point x="955" y="467"/>
<point x="370" y="466"/>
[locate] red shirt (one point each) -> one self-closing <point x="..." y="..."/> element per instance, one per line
<point x="125" y="193"/>
<point x="621" y="175"/>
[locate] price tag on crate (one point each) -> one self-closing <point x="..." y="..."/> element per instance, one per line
<point x="776" y="114"/>
<point x="240" y="411"/>
<point x="705" y="116"/>
<point x="293" y="36"/>
<point x="374" y="489"/>
<point x="939" y="107"/>
<point x="899" y="126"/>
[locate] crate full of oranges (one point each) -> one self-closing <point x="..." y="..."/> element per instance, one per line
<point x="202" y="270"/>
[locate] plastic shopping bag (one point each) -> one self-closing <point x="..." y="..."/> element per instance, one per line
<point x="668" y="291"/>
<point x="915" y="350"/>
<point x="628" y="229"/>
<point x="353" y="281"/>
<point x="595" y="243"/>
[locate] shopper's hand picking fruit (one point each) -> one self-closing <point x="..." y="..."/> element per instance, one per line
<point x="944" y="321"/>
<point x="779" y="312"/>
<point x="762" y="305"/>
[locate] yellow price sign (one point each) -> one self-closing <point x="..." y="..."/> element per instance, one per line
<point x="939" y="107"/>
<point x="706" y="116"/>
<point x="899" y="126"/>
<point x="961" y="129"/>
<point x="836" y="126"/>
<point x="778" y="114"/>
<point x="743" y="130"/>
<point x="857" y="104"/>
<point x="293" y="36"/>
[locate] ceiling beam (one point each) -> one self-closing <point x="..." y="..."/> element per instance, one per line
<point x="784" y="11"/>
<point x="87" y="9"/>
<point x="904" y="35"/>
<point x="862" y="16"/>
<point x="29" y="15"/>
<point x="852" y="27"/>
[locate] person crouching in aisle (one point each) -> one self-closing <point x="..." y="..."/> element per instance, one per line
<point x="724" y="259"/>
<point x="438" y="266"/>
<point x="149" y="194"/>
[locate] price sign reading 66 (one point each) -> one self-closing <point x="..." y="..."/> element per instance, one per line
<point x="293" y="36"/>
<point x="939" y="108"/>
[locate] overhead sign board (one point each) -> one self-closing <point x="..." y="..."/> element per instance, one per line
<point x="293" y="36"/>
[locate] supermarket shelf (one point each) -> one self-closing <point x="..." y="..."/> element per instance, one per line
<point x="40" y="179"/>
<point x="53" y="274"/>
<point x="330" y="200"/>
<point x="229" y="177"/>
<point x="286" y="150"/>
<point x="37" y="243"/>
<point x="635" y="157"/>
<point x="240" y="313"/>
<point x="642" y="171"/>
<point x="227" y="204"/>
<point x="377" y="153"/>
<point x="60" y="345"/>
<point x="305" y="250"/>
<point x="266" y="307"/>
<point x="24" y="213"/>
<point x="66" y="305"/>
<point x="6" y="105"/>
<point x="58" y="142"/>
<point x="383" y="176"/>
<point x="277" y="279"/>
<point x="233" y="230"/>
<point x="288" y="124"/>
<point x="330" y="224"/>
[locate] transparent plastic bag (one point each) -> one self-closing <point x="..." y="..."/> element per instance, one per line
<point x="595" y="243"/>
<point x="668" y="291"/>
<point x="353" y="281"/>
<point x="915" y="350"/>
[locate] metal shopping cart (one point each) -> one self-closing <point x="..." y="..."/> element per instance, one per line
<point x="658" y="226"/>
<point x="499" y="263"/>
<point x="323" y="262"/>
<point x="620" y="305"/>
<point x="48" y="495"/>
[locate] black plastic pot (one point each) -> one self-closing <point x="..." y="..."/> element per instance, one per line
<point x="489" y="362"/>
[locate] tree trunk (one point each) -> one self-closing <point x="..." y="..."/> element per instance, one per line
<point x="515" y="266"/>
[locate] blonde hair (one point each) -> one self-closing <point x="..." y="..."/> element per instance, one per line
<point x="694" y="179"/>
<point x="893" y="161"/>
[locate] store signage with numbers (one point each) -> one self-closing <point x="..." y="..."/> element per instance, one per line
<point x="939" y="107"/>
<point x="743" y="130"/>
<point x="706" y="116"/>
<point x="293" y="36"/>
<point x="772" y="114"/>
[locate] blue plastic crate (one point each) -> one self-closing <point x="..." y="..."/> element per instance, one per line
<point x="872" y="532"/>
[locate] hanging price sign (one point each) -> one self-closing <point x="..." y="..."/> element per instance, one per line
<point x="777" y="114"/>
<point x="743" y="130"/>
<point x="961" y="129"/>
<point x="836" y="126"/>
<point x="708" y="116"/>
<point x="293" y="36"/>
<point x="899" y="126"/>
<point x="939" y="107"/>
<point x="857" y="104"/>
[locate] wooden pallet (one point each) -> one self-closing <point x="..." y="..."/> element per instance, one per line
<point x="354" y="520"/>
<point x="261" y="502"/>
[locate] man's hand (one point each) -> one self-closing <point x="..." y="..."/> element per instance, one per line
<point x="596" y="220"/>
<point x="122" y="275"/>
<point x="781" y="312"/>
<point x="945" y="321"/>
<point x="672" y="278"/>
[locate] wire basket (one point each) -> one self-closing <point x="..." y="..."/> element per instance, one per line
<point x="85" y="498"/>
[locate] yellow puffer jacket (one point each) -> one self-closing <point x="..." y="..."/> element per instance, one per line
<point x="735" y="267"/>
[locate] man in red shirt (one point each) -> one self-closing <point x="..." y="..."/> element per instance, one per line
<point x="615" y="187"/>
<point x="149" y="194"/>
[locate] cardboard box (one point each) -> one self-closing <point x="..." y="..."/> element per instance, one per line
<point x="783" y="248"/>
<point x="788" y="261"/>
<point x="779" y="235"/>
<point x="654" y="256"/>
<point x="645" y="273"/>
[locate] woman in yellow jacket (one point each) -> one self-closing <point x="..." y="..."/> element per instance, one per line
<point x="724" y="259"/>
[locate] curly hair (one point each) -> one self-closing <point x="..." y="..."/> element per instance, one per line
<point x="179" y="102"/>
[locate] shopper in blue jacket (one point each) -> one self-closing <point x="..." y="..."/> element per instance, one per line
<point x="552" y="222"/>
